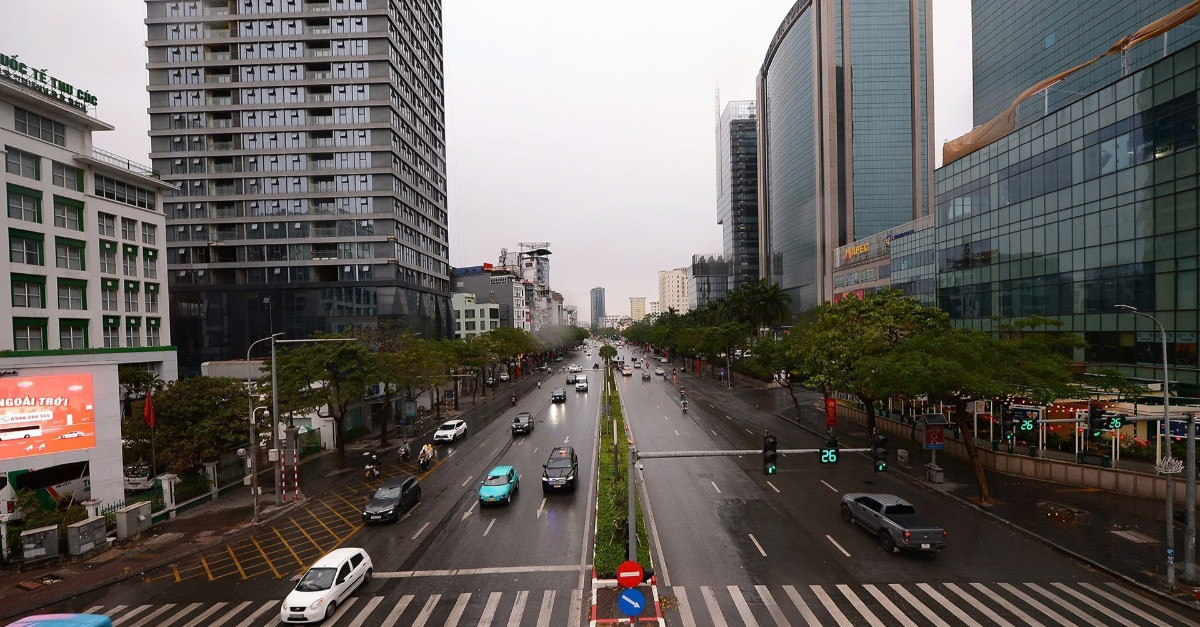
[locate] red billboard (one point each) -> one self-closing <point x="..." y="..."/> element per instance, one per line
<point x="47" y="414"/>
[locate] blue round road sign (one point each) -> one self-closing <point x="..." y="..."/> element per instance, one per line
<point x="631" y="602"/>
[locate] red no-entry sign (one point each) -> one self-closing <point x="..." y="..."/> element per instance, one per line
<point x="629" y="574"/>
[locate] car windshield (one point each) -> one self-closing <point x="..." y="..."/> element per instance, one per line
<point x="386" y="493"/>
<point x="449" y="426"/>
<point x="496" y="480"/>
<point x="316" y="579"/>
<point x="521" y="419"/>
<point x="559" y="462"/>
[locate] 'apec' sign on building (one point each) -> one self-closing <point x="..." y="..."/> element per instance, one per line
<point x="20" y="72"/>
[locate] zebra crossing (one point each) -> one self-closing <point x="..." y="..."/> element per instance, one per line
<point x="944" y="604"/>
<point x="540" y="608"/>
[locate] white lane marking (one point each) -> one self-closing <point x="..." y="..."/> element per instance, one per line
<point x="547" y="608"/>
<point x="950" y="607"/>
<point x="195" y="621"/>
<point x="149" y="617"/>
<point x="772" y="606"/>
<point x="676" y="433"/>
<point x="451" y="453"/>
<point x="830" y="606"/>
<point x="839" y="547"/>
<point x="132" y="613"/>
<point x="896" y="612"/>
<point x="541" y="508"/>
<point x="491" y="570"/>
<point x="714" y="610"/>
<point x="467" y="480"/>
<point x="829" y="486"/>
<point x="757" y="545"/>
<point x="489" y="527"/>
<point x="743" y="609"/>
<point x="366" y="612"/>
<point x="228" y="615"/>
<point x="862" y="608"/>
<point x="137" y="610"/>
<point x="1134" y="596"/>
<point x="534" y="452"/>
<point x="514" y="618"/>
<point x="801" y="605"/>
<point x="749" y="431"/>
<point x="773" y="486"/>
<point x="714" y="485"/>
<point x="457" y="612"/>
<point x="469" y="511"/>
<point x="713" y="432"/>
<point x="568" y="440"/>
<point x="924" y="611"/>
<point x="667" y="419"/>
<point x="489" y="610"/>
<point x="1012" y="609"/>
<point x="973" y="602"/>
<point x="426" y="611"/>
<point x="1107" y="612"/>
<point x="394" y="616"/>
<point x="420" y="530"/>
<point x="576" y="607"/>
<point x="1049" y="595"/>
<point x="728" y="417"/>
<point x="685" y="609"/>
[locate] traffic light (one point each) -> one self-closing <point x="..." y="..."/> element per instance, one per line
<point x="1008" y="425"/>
<point x="1097" y="421"/>
<point x="770" y="454"/>
<point x="829" y="454"/>
<point x="879" y="452"/>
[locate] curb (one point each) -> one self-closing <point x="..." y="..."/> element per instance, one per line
<point x="1012" y="525"/>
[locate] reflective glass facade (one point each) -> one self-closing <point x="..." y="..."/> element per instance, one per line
<point x="844" y="121"/>
<point x="737" y="190"/>
<point x="307" y="138"/>
<point x="1017" y="44"/>
<point x="1090" y="207"/>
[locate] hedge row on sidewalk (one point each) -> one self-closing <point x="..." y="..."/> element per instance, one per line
<point x="612" y="504"/>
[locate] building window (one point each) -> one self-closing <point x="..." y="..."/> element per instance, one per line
<point x="108" y="299"/>
<point x="71" y="296"/>
<point x="68" y="254"/>
<point x="151" y="301"/>
<point x="130" y="264"/>
<point x="29" y="334"/>
<point x="72" y="334"/>
<point x="128" y="229"/>
<point x="108" y="261"/>
<point x="37" y="126"/>
<point x="28" y="293"/>
<point x="149" y="263"/>
<point x="66" y="176"/>
<point x="21" y="163"/>
<point x="112" y="336"/>
<point x="133" y="337"/>
<point x="23" y="206"/>
<point x="153" y="336"/>
<point x="107" y="224"/>
<point x="113" y="189"/>
<point x="131" y="300"/>
<point x="24" y="249"/>
<point x="149" y="233"/>
<point x="68" y="216"/>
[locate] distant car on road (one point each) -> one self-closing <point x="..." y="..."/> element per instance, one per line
<point x="559" y="395"/>
<point x="450" y="431"/>
<point x="660" y="372"/>
<point x="499" y="486"/>
<point x="581" y="385"/>
<point x="522" y="423"/>
<point x="574" y="368"/>
<point x="645" y="376"/>
<point x="391" y="499"/>
<point x="894" y="521"/>
<point x="570" y="378"/>
<point x="627" y="371"/>
<point x="504" y="376"/>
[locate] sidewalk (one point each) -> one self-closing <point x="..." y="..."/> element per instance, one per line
<point x="1119" y="534"/>
<point x="206" y="525"/>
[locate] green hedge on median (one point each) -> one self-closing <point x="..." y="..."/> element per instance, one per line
<point x="612" y="505"/>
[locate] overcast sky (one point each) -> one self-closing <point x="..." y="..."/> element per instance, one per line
<point x="588" y="126"/>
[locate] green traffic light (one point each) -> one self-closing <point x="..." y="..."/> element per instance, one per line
<point x="881" y="467"/>
<point x="771" y="469"/>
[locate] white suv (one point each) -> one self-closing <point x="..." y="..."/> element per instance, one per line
<point x="450" y="431"/>
<point x="581" y="385"/>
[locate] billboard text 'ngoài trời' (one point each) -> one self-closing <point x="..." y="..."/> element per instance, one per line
<point x="46" y="414"/>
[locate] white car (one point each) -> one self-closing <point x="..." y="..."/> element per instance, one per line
<point x="575" y="368"/>
<point x="581" y="385"/>
<point x="660" y="372"/>
<point x="327" y="583"/>
<point x="627" y="371"/>
<point x="504" y="376"/>
<point x="71" y="434"/>
<point x="450" y="431"/>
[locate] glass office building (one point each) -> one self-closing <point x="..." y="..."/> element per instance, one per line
<point x="597" y="310"/>
<point x="307" y="138"/>
<point x="844" y="120"/>
<point x="1076" y="212"/>
<point x="737" y="191"/>
<point x="1017" y="44"/>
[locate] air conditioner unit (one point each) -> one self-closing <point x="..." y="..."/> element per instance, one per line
<point x="393" y="260"/>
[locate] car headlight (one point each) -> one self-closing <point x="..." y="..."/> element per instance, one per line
<point x="570" y="477"/>
<point x="316" y="605"/>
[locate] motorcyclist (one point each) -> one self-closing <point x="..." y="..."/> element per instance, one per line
<point x="684" y="405"/>
<point x="680" y="392"/>
<point x="514" y="400"/>
<point x="405" y="451"/>
<point x="425" y="456"/>
<point x="372" y="469"/>
<point x="539" y="385"/>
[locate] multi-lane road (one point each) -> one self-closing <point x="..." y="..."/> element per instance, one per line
<point x="731" y="545"/>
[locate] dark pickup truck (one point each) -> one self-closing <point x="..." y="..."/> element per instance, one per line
<point x="894" y="521"/>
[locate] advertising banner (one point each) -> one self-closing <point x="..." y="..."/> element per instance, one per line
<point x="47" y="414"/>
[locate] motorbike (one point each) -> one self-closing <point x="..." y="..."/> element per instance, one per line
<point x="514" y="400"/>
<point x="684" y="405"/>
<point x="371" y="471"/>
<point x="405" y="452"/>
<point x="595" y="366"/>
<point x="423" y="461"/>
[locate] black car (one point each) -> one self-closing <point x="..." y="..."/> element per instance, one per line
<point x="559" y="395"/>
<point x="560" y="470"/>
<point x="522" y="423"/>
<point x="393" y="498"/>
<point x="645" y="376"/>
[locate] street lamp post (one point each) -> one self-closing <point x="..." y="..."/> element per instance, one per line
<point x="1188" y="559"/>
<point x="278" y="464"/>
<point x="253" y="434"/>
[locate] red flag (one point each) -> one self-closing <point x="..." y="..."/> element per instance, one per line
<point x="149" y="411"/>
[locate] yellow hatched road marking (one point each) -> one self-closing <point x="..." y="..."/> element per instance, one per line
<point x="344" y="499"/>
<point x="287" y="545"/>
<point x="235" y="560"/>
<point x="322" y="523"/>
<point x="265" y="558"/>
<point x="310" y="538"/>
<point x="175" y="569"/>
<point x="204" y="563"/>
<point x="339" y="515"/>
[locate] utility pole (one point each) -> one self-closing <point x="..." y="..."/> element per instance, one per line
<point x="1189" y="536"/>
